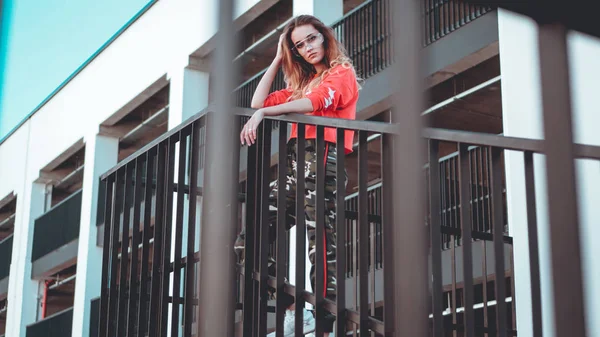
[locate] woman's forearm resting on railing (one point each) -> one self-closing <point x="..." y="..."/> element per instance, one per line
<point x="303" y="105"/>
<point x="248" y="134"/>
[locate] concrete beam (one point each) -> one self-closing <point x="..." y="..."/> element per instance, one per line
<point x="51" y="166"/>
<point x="238" y="24"/>
<point x="55" y="261"/>
<point x="116" y="131"/>
<point x="7" y="199"/>
<point x="137" y="101"/>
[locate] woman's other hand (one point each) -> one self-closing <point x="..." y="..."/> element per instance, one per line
<point x="249" y="131"/>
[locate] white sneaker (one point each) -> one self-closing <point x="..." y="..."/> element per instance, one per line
<point x="289" y="322"/>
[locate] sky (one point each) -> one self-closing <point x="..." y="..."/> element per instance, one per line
<point x="47" y="41"/>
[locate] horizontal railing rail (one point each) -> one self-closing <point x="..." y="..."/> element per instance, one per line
<point x="57" y="325"/>
<point x="6" y="247"/>
<point x="57" y="227"/>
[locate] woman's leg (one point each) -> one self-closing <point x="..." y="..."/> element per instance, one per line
<point x="329" y="255"/>
<point x="290" y="185"/>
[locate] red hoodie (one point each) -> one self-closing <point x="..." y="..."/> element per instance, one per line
<point x="334" y="97"/>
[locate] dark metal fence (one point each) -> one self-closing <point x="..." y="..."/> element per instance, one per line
<point x="57" y="227"/>
<point x="57" y="325"/>
<point x="442" y="17"/>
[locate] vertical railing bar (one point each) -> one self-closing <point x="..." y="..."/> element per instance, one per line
<point x="498" y="214"/>
<point x="380" y="35"/>
<point x="454" y="241"/>
<point x="179" y="233"/>
<point x="484" y="286"/>
<point x="534" y="259"/>
<point x="363" y="232"/>
<point x="300" y="228"/>
<point x="157" y="245"/>
<point x="320" y="262"/>
<point x="148" y="187"/>
<point x="264" y="225"/>
<point x="258" y="294"/>
<point x="465" y="216"/>
<point x="282" y="172"/>
<point x="454" y="296"/>
<point x="456" y="190"/>
<point x="249" y="254"/>
<point x="441" y="185"/>
<point x="363" y="43"/>
<point x="106" y="249"/>
<point x="443" y="22"/>
<point x="191" y="238"/>
<point x="484" y="178"/>
<point x="167" y="226"/>
<point x="453" y="14"/>
<point x="123" y="300"/>
<point x="430" y="20"/>
<point x="435" y="232"/>
<point x="341" y="233"/>
<point x="371" y="269"/>
<point x="569" y="311"/>
<point x="114" y="244"/>
<point x="487" y="191"/>
<point x="477" y="214"/>
<point x="374" y="36"/>
<point x="135" y="241"/>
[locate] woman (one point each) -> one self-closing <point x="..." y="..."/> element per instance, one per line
<point x="321" y="81"/>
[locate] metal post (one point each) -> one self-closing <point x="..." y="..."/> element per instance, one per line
<point x="407" y="225"/>
<point x="221" y="173"/>
<point x="569" y="317"/>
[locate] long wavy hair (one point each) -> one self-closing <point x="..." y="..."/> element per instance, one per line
<point x="300" y="75"/>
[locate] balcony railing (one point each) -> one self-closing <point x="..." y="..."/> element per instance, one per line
<point x="57" y="227"/>
<point x="57" y="325"/>
<point x="474" y="172"/>
<point x="367" y="35"/>
<point x="6" y="246"/>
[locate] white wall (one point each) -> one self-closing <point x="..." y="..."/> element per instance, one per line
<point x="158" y="43"/>
<point x="522" y="113"/>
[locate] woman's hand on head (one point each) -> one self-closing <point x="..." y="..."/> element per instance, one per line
<point x="249" y="131"/>
<point x="279" y="55"/>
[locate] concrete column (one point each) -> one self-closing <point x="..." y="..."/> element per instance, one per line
<point x="101" y="153"/>
<point x="522" y="117"/>
<point x="22" y="290"/>
<point x="188" y="93"/>
<point x="327" y="11"/>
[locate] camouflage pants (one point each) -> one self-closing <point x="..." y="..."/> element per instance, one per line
<point x="310" y="199"/>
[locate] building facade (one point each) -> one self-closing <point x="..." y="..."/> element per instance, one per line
<point x="153" y="82"/>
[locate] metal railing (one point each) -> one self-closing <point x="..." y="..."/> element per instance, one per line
<point x="6" y="246"/>
<point x="474" y="172"/>
<point x="57" y="325"/>
<point x="442" y="17"/>
<point x="57" y="227"/>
